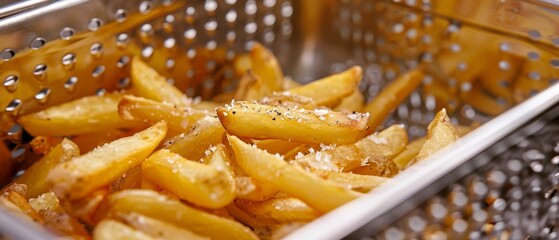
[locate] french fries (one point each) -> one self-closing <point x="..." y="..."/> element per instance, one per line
<point x="287" y="178"/>
<point x="81" y="116"/>
<point x="157" y="206"/>
<point x="206" y="186"/>
<point x="81" y="175"/>
<point x="280" y="154"/>
<point x="391" y="96"/>
<point x="300" y="125"/>
<point x="329" y="91"/>
<point x="34" y="177"/>
<point x="178" y="118"/>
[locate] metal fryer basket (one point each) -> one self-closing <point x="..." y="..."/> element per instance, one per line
<point x="55" y="51"/>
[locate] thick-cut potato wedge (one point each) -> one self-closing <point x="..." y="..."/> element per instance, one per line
<point x="353" y="102"/>
<point x="157" y="206"/>
<point x="148" y="83"/>
<point x="278" y="210"/>
<point x="257" y="121"/>
<point x="440" y="133"/>
<point x="329" y="91"/>
<point x="56" y="218"/>
<point x="241" y="64"/>
<point x="391" y="96"/>
<point x="40" y="145"/>
<point x="111" y="229"/>
<point x="377" y="165"/>
<point x="178" y="118"/>
<point x="332" y="158"/>
<point x="35" y="177"/>
<point x="129" y="180"/>
<point x="81" y="175"/>
<point x="157" y="228"/>
<point x="87" y="142"/>
<point x="192" y="181"/>
<point x="356" y="182"/>
<point x="251" y="88"/>
<point x="266" y="66"/>
<point x="290" y="179"/>
<point x="251" y="189"/>
<point x="388" y="142"/>
<point x="412" y="149"/>
<point x="203" y="133"/>
<point x="81" y="116"/>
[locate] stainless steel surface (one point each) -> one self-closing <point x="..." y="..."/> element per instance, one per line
<point x="68" y="49"/>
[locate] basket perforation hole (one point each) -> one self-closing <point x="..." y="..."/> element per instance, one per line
<point x="11" y="82"/>
<point x="18" y="153"/>
<point x="37" y="43"/>
<point x="250" y="7"/>
<point x="7" y="54"/>
<point x="190" y="15"/>
<point x="167" y="2"/>
<point x="94" y="24"/>
<point x="169" y="43"/>
<point x="68" y="60"/>
<point x="14" y="133"/>
<point x="14" y="106"/>
<point x="145" y="7"/>
<point x="210" y="6"/>
<point x="269" y="3"/>
<point x="123" y="83"/>
<point x="96" y="50"/>
<point x="211" y="45"/>
<point x="231" y="36"/>
<point x="504" y="65"/>
<point x="210" y="26"/>
<point x="67" y="33"/>
<point x="147" y="52"/>
<point x="98" y="71"/>
<point x="122" y="39"/>
<point x="534" y="34"/>
<point x="70" y="84"/>
<point x="190" y="73"/>
<point x="533" y="56"/>
<point x="120" y="15"/>
<point x="190" y="34"/>
<point x="146" y="29"/>
<point x="251" y="27"/>
<point x="230" y="2"/>
<point x="466" y="87"/>
<point x="43" y="95"/>
<point x="40" y="71"/>
<point x="269" y="36"/>
<point x="123" y="62"/>
<point x="269" y="19"/>
<point x="170" y="63"/>
<point x="231" y="16"/>
<point x="554" y="63"/>
<point x="191" y="53"/>
<point x="535" y="75"/>
<point x="286" y="9"/>
<point x="101" y="92"/>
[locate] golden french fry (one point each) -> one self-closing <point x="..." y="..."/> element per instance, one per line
<point x="290" y="179"/>
<point x="377" y="165"/>
<point x="19" y="201"/>
<point x="257" y="121"/>
<point x="356" y="182"/>
<point x="251" y="189"/>
<point x="206" y="186"/>
<point x="440" y="133"/>
<point x="442" y="96"/>
<point x="283" y="230"/>
<point x="288" y="100"/>
<point x="266" y="66"/>
<point x="157" y="228"/>
<point x="331" y="158"/>
<point x="130" y="180"/>
<point x="87" y="142"/>
<point x="40" y="145"/>
<point x="329" y="91"/>
<point x="178" y="118"/>
<point x="484" y="102"/>
<point x="387" y="143"/>
<point x="391" y="96"/>
<point x="276" y="146"/>
<point x="35" y="177"/>
<point x="241" y="64"/>
<point x="204" y="133"/>
<point x="81" y="175"/>
<point x="86" y="207"/>
<point x="251" y="88"/>
<point x="412" y="149"/>
<point x="157" y="206"/>
<point x="148" y="83"/>
<point x="278" y="210"/>
<point x="111" y="229"/>
<point x="353" y="102"/>
<point x="56" y="218"/>
<point x="81" y="116"/>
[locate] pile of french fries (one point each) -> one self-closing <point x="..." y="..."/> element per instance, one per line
<point x="257" y="162"/>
